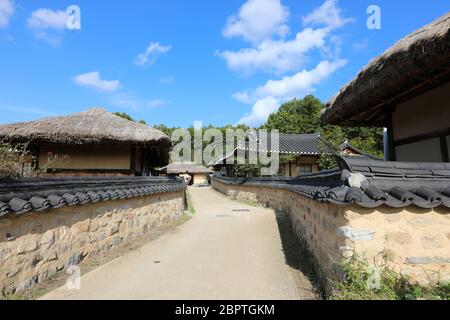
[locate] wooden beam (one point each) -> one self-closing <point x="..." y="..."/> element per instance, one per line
<point x="423" y="137"/>
<point x="444" y="148"/>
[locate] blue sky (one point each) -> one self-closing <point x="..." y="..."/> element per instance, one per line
<point x="176" y="61"/>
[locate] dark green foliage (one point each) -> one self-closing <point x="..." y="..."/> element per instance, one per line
<point x="246" y="170"/>
<point x="167" y="130"/>
<point x="296" y="116"/>
<point x="303" y="116"/>
<point x="128" y="117"/>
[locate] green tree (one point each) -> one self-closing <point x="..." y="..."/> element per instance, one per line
<point x="124" y="115"/>
<point x="128" y="117"/>
<point x="296" y="116"/>
<point x="303" y="116"/>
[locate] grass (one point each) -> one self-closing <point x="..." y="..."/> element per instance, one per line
<point x="189" y="212"/>
<point x="191" y="208"/>
<point x="31" y="295"/>
<point x="12" y="297"/>
<point x="362" y="282"/>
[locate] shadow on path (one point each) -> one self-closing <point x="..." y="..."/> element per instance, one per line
<point x="297" y="256"/>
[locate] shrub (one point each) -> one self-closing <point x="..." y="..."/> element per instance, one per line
<point x="17" y="161"/>
<point x="364" y="282"/>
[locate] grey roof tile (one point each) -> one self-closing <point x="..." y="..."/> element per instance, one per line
<point x="19" y="196"/>
<point x="393" y="184"/>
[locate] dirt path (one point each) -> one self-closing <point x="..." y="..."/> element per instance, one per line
<point x="228" y="250"/>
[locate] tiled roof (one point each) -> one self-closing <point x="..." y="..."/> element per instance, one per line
<point x="183" y="167"/>
<point x="301" y="144"/>
<point x="19" y="196"/>
<point x="295" y="144"/>
<point x="369" y="183"/>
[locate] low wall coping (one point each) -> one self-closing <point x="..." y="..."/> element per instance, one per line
<point x="19" y="196"/>
<point x="366" y="182"/>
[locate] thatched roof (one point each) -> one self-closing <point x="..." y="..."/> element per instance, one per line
<point x="415" y="64"/>
<point x="183" y="167"/>
<point x="95" y="126"/>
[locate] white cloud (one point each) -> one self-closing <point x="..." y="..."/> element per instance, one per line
<point x="279" y="56"/>
<point x="258" y="20"/>
<point x="168" y="79"/>
<point x="301" y="83"/>
<point x="6" y="12"/>
<point x="328" y="14"/>
<point x="243" y="97"/>
<point x="274" y="92"/>
<point x="260" y="112"/>
<point x="48" y="25"/>
<point x="153" y="52"/>
<point x="92" y="80"/>
<point x="156" y="103"/>
<point x="362" y="45"/>
<point x="26" y="110"/>
<point x="276" y="56"/>
<point x="44" y="19"/>
<point x="126" y="100"/>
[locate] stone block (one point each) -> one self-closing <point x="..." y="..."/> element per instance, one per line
<point x="432" y="242"/>
<point x="82" y="226"/>
<point x="51" y="256"/>
<point x="355" y="235"/>
<point x="427" y="260"/>
<point x="26" y="246"/>
<point x="27" y="284"/>
<point x="48" y="238"/>
<point x="73" y="260"/>
<point x="402" y="238"/>
<point x="5" y="254"/>
<point x="94" y="226"/>
<point x="114" y="229"/>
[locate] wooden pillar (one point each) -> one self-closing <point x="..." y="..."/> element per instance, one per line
<point x="290" y="168"/>
<point x="444" y="148"/>
<point x="133" y="161"/>
<point x="390" y="132"/>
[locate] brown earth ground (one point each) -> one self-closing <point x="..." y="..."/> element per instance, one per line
<point x="227" y="250"/>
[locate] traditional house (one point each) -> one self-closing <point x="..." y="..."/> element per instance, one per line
<point x="95" y="142"/>
<point x="299" y="154"/>
<point x="196" y="174"/>
<point x="393" y="213"/>
<point x="406" y="90"/>
<point x="347" y="149"/>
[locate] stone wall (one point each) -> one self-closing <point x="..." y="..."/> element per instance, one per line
<point x="36" y="245"/>
<point x="415" y="242"/>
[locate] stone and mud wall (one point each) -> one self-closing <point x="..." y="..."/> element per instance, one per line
<point x="36" y="245"/>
